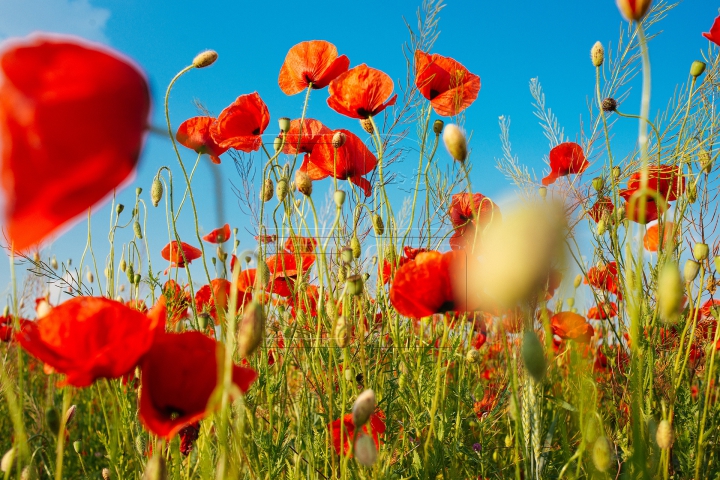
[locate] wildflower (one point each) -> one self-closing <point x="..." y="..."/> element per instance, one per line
<point x="73" y="116"/>
<point x="350" y="162"/>
<point x="603" y="206"/>
<point x="714" y="34"/>
<point x="667" y="180"/>
<point x="188" y="435"/>
<point x="651" y="240"/>
<point x="87" y="338"/>
<point x="455" y="142"/>
<point x="313" y="63"/>
<point x="241" y="124"/>
<point x="449" y="86"/>
<point x="178" y="375"/>
<point x="298" y="244"/>
<point x="390" y="265"/>
<point x="565" y="159"/>
<point x="219" y="235"/>
<point x="603" y="311"/>
<point x="177" y="301"/>
<point x="604" y="277"/>
<point x="313" y="133"/>
<point x="609" y="105"/>
<point x="571" y="326"/>
<point x="361" y="92"/>
<point x="633" y="10"/>
<point x="467" y="214"/>
<point x="178" y="256"/>
<point x="434" y="282"/>
<point x="289" y="265"/>
<point x="374" y="428"/>
<point x="194" y="133"/>
<point x="214" y="296"/>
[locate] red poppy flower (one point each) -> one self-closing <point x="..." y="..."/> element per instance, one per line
<point x="667" y="180"/>
<point x="461" y="217"/>
<point x="188" y="435"/>
<point x="434" y="282"/>
<point x="374" y="427"/>
<point x="714" y="34"/>
<point x="303" y="140"/>
<point x="72" y="121"/>
<point x="449" y="86"/>
<point x="177" y="301"/>
<point x="652" y="236"/>
<point x="298" y="244"/>
<point x="360" y="92"/>
<point x="241" y="125"/>
<point x="305" y="301"/>
<point x="315" y="62"/>
<point x="87" y="338"/>
<point x="603" y="206"/>
<point x="571" y="326"/>
<point x="634" y="213"/>
<point x="603" y="311"/>
<point x="178" y="375"/>
<point x="194" y="133"/>
<point x="6" y="327"/>
<point x="604" y="277"/>
<point x="219" y="235"/>
<point x="350" y="161"/>
<point x="707" y="308"/>
<point x="285" y="264"/>
<point x="209" y="297"/>
<point x="178" y="256"/>
<point x="565" y="159"/>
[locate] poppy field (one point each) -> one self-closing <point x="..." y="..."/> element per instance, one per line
<point x="367" y="332"/>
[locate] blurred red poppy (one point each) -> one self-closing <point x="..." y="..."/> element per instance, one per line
<point x="188" y="435"/>
<point x="87" y="338"/>
<point x="435" y="282"/>
<point x="667" y="180"/>
<point x="219" y="235"/>
<point x="313" y="133"/>
<point x="388" y="269"/>
<point x="374" y="427"/>
<point x="571" y="326"/>
<point x="178" y="375"/>
<point x="6" y="327"/>
<point x="350" y="161"/>
<point x="73" y="116"/>
<point x="603" y="206"/>
<point x="461" y="217"/>
<point x="603" y="311"/>
<point x="315" y="62"/>
<point x="565" y="159"/>
<point x="194" y="133"/>
<point x="449" y="86"/>
<point x="361" y="92"/>
<point x="651" y="240"/>
<point x="634" y="211"/>
<point x="604" y="277"/>
<point x="305" y="301"/>
<point x="178" y="256"/>
<point x="298" y="244"/>
<point x="714" y="34"/>
<point x="241" y="125"/>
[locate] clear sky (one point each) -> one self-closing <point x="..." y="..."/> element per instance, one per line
<point x="505" y="43"/>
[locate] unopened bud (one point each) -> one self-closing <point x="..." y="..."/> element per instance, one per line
<point x="701" y="251"/>
<point x="123" y="265"/>
<point x="664" y="435"/>
<point x="7" y="461"/>
<point x="363" y="407"/>
<point x="633" y="10"/>
<point x="130" y="272"/>
<point x="367" y="125"/>
<point x="339" y="198"/>
<point x="338" y="139"/>
<point x="508" y="438"/>
<point x="578" y="280"/>
<point x="303" y="183"/>
<point x="138" y="191"/>
<point x="36" y="257"/>
<point x="691" y="270"/>
<point x="354" y="285"/>
<point x="472" y="356"/>
<point x="697" y="68"/>
<point x="597" y="54"/>
<point x="119" y="208"/>
<point x="542" y="191"/>
<point x="691" y="192"/>
<point x="533" y="355"/>
<point x="106" y="474"/>
<point x="284" y="124"/>
<point x="252" y="327"/>
<point x="136" y="279"/>
<point x="438" y="126"/>
<point x="266" y="192"/>
<point x="90" y="277"/>
<point x="156" y="192"/>
<point x="601" y="227"/>
<point x="378" y="224"/>
<point x="355" y="246"/>
<point x="455" y="142"/>
<point x="156" y="468"/>
<point x="365" y="450"/>
<point x="205" y="59"/>
<point x="77" y="446"/>
<point x="278" y="143"/>
<point x="70" y="414"/>
<point x="137" y="230"/>
<point x="282" y="189"/>
<point x="342" y="335"/>
<point x="616" y="172"/>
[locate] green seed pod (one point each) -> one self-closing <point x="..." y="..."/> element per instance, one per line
<point x="717" y="264"/>
<point x="378" y="224"/>
<point x="138" y="230"/>
<point x="278" y="143"/>
<point x="701" y="251"/>
<point x="697" y="68"/>
<point x="203" y="320"/>
<point x="156" y="192"/>
<point x="691" y="270"/>
<point x="284" y="124"/>
<point x="354" y="285"/>
<point x="282" y="189"/>
<point x="136" y="279"/>
<point x="347" y="255"/>
<point x="438" y="126"/>
<point x="339" y="198"/>
<point x="508" y="441"/>
<point x="52" y="420"/>
<point x="77" y="446"/>
<point x="598" y="184"/>
<point x="533" y="355"/>
<point x="355" y="246"/>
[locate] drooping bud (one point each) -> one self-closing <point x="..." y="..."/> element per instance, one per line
<point x="664" y="435"/>
<point x="338" y="139"/>
<point x="601" y="227"/>
<point x="455" y="142"/>
<point x="363" y="407"/>
<point x="472" y="356"/>
<point x="705" y="160"/>
<point x="701" y="251"/>
<point x="7" y="461"/>
<point x="609" y="105"/>
<point x="138" y="191"/>
<point x="156" y="192"/>
<point x="70" y="414"/>
<point x="378" y="224"/>
<point x="52" y="420"/>
<point x="106" y="474"/>
<point x="54" y="263"/>
<point x="342" y="335"/>
<point x="119" y="208"/>
<point x="533" y="355"/>
<point x="339" y="198"/>
<point x="284" y="124"/>
<point x="136" y="279"/>
<point x="633" y="10"/>
<point x="156" y="469"/>
<point x="303" y="183"/>
<point x="77" y="446"/>
<point x="697" y="68"/>
<point x="438" y="126"/>
<point x="354" y="285"/>
<point x="205" y="59"/>
<point x="367" y="125"/>
<point x="251" y="330"/>
<point x="137" y="229"/>
<point x="670" y="292"/>
<point x="266" y="192"/>
<point x="691" y="270"/>
<point x="365" y="450"/>
<point x="130" y="272"/>
<point x="123" y="265"/>
<point x="282" y="189"/>
<point x="597" y="54"/>
<point x="355" y="246"/>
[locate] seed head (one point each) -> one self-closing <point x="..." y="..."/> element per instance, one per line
<point x="609" y="104"/>
<point x="701" y="251"/>
<point x="284" y="124"/>
<point x="597" y="54"/>
<point x="339" y="198"/>
<point x="354" y="285"/>
<point x="205" y="59"/>
<point x="691" y="270"/>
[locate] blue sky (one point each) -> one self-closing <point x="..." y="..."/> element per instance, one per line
<point x="505" y="43"/>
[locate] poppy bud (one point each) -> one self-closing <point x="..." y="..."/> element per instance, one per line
<point x="578" y="280"/>
<point x="130" y="272"/>
<point x="278" y="143"/>
<point x="455" y="142"/>
<point x="616" y="172"/>
<point x="598" y="183"/>
<point x="338" y="139"/>
<point x="252" y="327"/>
<point x="346" y="255"/>
<point x="601" y="227"/>
<point x="633" y="10"/>
<point x="691" y="270"/>
<point x="77" y="446"/>
<point x="542" y="191"/>
<point x="355" y="246"/>
<point x="106" y="474"/>
<point x="137" y="230"/>
<point x="52" y="419"/>
<point x="203" y="321"/>
<point x="571" y="302"/>
<point x="284" y="124"/>
<point x="70" y="414"/>
<point x="363" y="407"/>
<point x="705" y="160"/>
<point x="365" y="450"/>
<point x="53" y="263"/>
<point x="472" y="356"/>
<point x="262" y="275"/>
<point x="342" y="336"/>
<point x="367" y="125"/>
<point x="221" y="255"/>
<point x="330" y="308"/>
<point x="354" y="285"/>
<point x="205" y="59"/>
<point x="390" y="253"/>
<point x="266" y="192"/>
<point x="342" y="274"/>
<point x="701" y="251"/>
<point x="378" y="224"/>
<point x="664" y="435"/>
<point x="349" y="374"/>
<point x="123" y="265"/>
<point x="156" y="192"/>
<point x="609" y="104"/>
<point x="29" y="473"/>
<point x="7" y="461"/>
<point x="374" y="260"/>
<point x="119" y="208"/>
<point x="156" y="469"/>
<point x="438" y="126"/>
<point x="6" y="311"/>
<point x="136" y="279"/>
<point x="303" y="183"/>
<point x="597" y="54"/>
<point x="339" y="197"/>
<point x="533" y="355"/>
<point x="697" y="68"/>
<point x="717" y="263"/>
<point x="602" y="455"/>
<point x="138" y="191"/>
